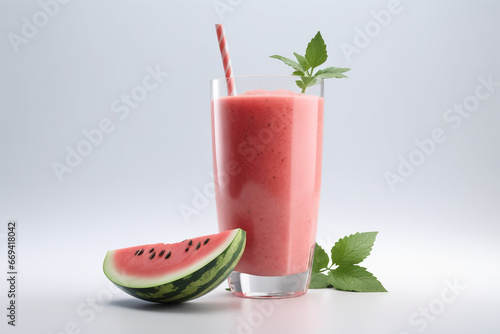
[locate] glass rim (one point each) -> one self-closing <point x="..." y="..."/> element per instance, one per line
<point x="296" y="77"/>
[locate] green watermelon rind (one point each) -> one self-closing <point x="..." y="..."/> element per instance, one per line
<point x="199" y="282"/>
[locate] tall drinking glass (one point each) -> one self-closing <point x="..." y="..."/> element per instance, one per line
<point x="267" y="147"/>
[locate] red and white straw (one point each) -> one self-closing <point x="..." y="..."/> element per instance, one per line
<point x="226" y="60"/>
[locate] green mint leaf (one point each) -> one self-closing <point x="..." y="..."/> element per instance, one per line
<point x="347" y="276"/>
<point x="307" y="82"/>
<point x="289" y="62"/>
<point x="319" y="281"/>
<point x="331" y="72"/>
<point x="320" y="259"/>
<point x="316" y="51"/>
<point x="353" y="249"/>
<point x="354" y="278"/>
<point x="304" y="66"/>
<point x="302" y="61"/>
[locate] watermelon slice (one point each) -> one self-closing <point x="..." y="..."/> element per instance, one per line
<point x="173" y="273"/>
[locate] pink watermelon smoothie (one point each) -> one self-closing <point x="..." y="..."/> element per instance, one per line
<point x="267" y="149"/>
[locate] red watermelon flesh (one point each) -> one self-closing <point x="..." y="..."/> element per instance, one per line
<point x="155" y="263"/>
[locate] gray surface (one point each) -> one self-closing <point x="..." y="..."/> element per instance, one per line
<point x="441" y="224"/>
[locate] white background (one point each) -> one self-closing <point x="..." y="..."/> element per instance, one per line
<point x="440" y="225"/>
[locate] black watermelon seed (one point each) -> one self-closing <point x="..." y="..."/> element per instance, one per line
<point x="152" y="255"/>
<point x="206" y="241"/>
<point x="161" y="253"/>
<point x="140" y="252"/>
<point x="187" y="249"/>
<point x="137" y="252"/>
<point x="198" y="245"/>
<point x="168" y="255"/>
<point x="190" y="242"/>
<point x="151" y="250"/>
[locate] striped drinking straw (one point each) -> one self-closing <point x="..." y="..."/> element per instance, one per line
<point x="226" y="60"/>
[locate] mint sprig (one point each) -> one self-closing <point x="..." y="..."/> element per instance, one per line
<point x="346" y="254"/>
<point x="315" y="56"/>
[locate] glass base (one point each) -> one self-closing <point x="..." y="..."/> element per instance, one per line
<point x="252" y="286"/>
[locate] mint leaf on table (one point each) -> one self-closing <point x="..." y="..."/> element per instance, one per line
<point x="315" y="56"/>
<point x="347" y="276"/>
<point x="354" y="278"/>
<point x="353" y="249"/>
<point x="320" y="281"/>
<point x="320" y="259"/>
